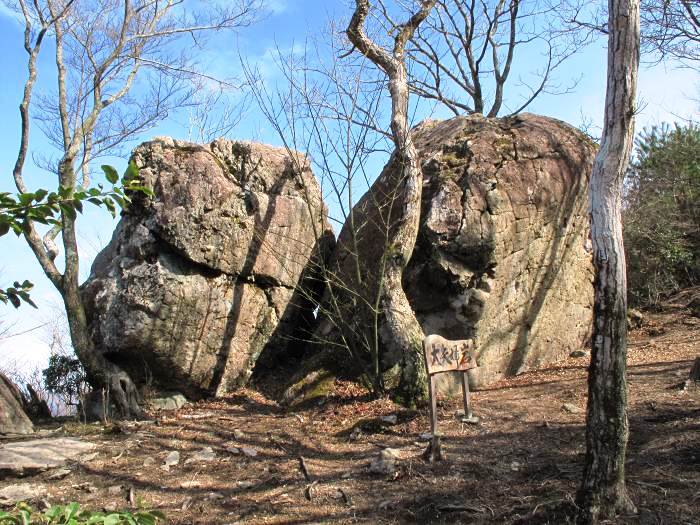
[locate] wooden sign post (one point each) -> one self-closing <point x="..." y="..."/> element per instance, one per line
<point x="443" y="355"/>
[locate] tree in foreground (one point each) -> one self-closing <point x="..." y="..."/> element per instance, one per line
<point x="121" y="66"/>
<point x="603" y="493"/>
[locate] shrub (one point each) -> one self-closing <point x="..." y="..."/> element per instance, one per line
<point x="65" y="376"/>
<point x="71" y="514"/>
<point x="662" y="213"/>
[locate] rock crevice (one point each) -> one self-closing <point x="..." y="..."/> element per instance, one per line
<point x="501" y="254"/>
<point x="212" y="271"/>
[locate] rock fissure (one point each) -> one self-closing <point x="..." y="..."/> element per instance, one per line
<point x="500" y="255"/>
<point x="204" y="277"/>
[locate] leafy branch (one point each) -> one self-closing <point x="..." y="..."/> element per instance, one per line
<point x="18" y="211"/>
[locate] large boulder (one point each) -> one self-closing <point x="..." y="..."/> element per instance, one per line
<point x="212" y="271"/>
<point x="502" y="255"/>
<point x="13" y="419"/>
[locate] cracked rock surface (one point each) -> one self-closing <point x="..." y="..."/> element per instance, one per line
<point x="502" y="254"/>
<point x="502" y="251"/>
<point x="204" y="277"/>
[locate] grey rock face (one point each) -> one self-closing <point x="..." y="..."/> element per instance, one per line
<point x="172" y="402"/>
<point x="501" y="255"/>
<point x="502" y="251"/>
<point x="37" y="455"/>
<point x="13" y="419"/>
<point x="200" y="280"/>
<point x="12" y="494"/>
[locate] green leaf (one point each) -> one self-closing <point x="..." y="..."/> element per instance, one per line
<point x="131" y="173"/>
<point x="110" y="173"/>
<point x="68" y="210"/>
<point x="25" y="199"/>
<point x="14" y="299"/>
<point x="109" y="203"/>
<point x="40" y="194"/>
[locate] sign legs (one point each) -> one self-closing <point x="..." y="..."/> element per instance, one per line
<point x="468" y="416"/>
<point x="434" y="451"/>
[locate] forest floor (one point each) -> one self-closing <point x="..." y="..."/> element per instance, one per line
<point x="521" y="464"/>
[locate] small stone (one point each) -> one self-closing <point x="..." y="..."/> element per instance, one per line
<point x="571" y="408"/>
<point x="232" y="450"/>
<point x="21" y="492"/>
<point x="37" y="455"/>
<point x="237" y="434"/>
<point x="515" y="466"/>
<point x="249" y="452"/>
<point x="115" y="490"/>
<point x="172" y="402"/>
<point x="389" y="420"/>
<point x="385" y="462"/>
<point x="149" y="461"/>
<point x="172" y="459"/>
<point x="206" y="454"/>
<point x="245" y="484"/>
<point x="59" y="473"/>
<point x="215" y="496"/>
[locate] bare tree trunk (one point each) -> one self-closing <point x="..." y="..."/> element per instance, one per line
<point x="101" y="373"/>
<point x="400" y="331"/>
<point x="603" y="494"/>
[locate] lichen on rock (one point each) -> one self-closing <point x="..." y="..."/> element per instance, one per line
<point x="212" y="271"/>
<point x="501" y="255"/>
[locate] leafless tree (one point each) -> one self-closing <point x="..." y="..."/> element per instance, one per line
<point x="603" y="493"/>
<point x="333" y="114"/>
<point x="465" y="53"/>
<point x="670" y="29"/>
<point x="216" y="109"/>
<point x="401" y="332"/>
<point x="120" y="67"/>
<point x="329" y="109"/>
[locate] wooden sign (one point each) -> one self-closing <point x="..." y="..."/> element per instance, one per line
<point x="443" y="355"/>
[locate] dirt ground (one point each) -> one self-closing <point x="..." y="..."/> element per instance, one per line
<point x="521" y="464"/>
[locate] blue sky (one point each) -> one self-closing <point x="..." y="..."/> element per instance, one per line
<point x="666" y="94"/>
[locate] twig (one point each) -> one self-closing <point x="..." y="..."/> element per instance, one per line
<point x="308" y="494"/>
<point x="304" y="469"/>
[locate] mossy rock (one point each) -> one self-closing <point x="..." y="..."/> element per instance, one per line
<point x="311" y="388"/>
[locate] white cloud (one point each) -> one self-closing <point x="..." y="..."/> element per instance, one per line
<point x="276" y="7"/>
<point x="9" y="12"/>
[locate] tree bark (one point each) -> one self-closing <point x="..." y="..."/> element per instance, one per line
<point x="100" y="372"/>
<point x="401" y="332"/>
<point x="603" y="494"/>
